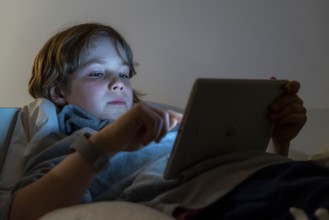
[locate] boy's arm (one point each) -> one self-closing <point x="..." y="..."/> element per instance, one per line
<point x="65" y="184"/>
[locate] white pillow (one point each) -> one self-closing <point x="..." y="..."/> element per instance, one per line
<point x="322" y="156"/>
<point x="107" y="210"/>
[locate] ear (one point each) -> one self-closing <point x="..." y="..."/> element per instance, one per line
<point x="57" y="96"/>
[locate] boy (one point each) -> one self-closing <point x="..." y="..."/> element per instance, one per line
<point x="85" y="71"/>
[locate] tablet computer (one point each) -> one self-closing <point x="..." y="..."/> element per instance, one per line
<point x="223" y="116"/>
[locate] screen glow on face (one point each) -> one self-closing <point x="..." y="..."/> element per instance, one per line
<point x="101" y="85"/>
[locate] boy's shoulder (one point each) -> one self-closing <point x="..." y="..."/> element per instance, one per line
<point x="41" y="105"/>
<point x="38" y="118"/>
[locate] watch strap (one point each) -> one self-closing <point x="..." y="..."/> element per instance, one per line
<point x="91" y="153"/>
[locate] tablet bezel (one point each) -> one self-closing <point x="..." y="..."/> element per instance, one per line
<point x="207" y="97"/>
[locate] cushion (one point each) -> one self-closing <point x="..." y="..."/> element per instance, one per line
<point x="115" y="210"/>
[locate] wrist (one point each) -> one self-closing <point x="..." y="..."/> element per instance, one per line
<point x="102" y="144"/>
<point x="92" y="154"/>
<point x="279" y="148"/>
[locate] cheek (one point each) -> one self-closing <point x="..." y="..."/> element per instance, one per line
<point x="129" y="90"/>
<point x="81" y="93"/>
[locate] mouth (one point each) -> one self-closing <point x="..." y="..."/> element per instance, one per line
<point x="117" y="102"/>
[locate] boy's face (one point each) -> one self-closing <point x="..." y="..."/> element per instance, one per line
<point x="101" y="85"/>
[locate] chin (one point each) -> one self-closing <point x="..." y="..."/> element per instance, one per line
<point x="115" y="115"/>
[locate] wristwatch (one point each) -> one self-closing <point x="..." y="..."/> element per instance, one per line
<point x="91" y="153"/>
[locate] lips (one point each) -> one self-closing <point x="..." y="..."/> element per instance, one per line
<point x="117" y="101"/>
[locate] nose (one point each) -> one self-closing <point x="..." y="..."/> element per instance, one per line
<point x="117" y="86"/>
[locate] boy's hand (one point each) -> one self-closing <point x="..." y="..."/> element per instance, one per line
<point x="136" y="128"/>
<point x="288" y="114"/>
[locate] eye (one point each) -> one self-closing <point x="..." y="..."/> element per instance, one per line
<point x="123" y="75"/>
<point x="96" y="75"/>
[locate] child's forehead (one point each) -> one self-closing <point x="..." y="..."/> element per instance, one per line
<point x="99" y="44"/>
<point x="93" y="43"/>
<point x="97" y="39"/>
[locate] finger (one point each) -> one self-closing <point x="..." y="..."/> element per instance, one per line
<point x="296" y="120"/>
<point x="175" y="118"/>
<point x="285" y="100"/>
<point x="149" y="122"/>
<point x="164" y="122"/>
<point x="300" y="101"/>
<point x="293" y="108"/>
<point x="139" y="140"/>
<point x="158" y="124"/>
<point x="292" y="87"/>
<point x="163" y="126"/>
<point x="178" y="116"/>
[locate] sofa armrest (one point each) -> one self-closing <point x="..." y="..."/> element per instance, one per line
<point x="8" y="118"/>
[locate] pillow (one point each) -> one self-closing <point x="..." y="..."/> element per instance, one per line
<point x="107" y="210"/>
<point x="322" y="156"/>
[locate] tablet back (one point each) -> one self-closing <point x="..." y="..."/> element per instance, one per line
<point x="223" y="116"/>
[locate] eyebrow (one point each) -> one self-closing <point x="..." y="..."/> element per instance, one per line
<point x="98" y="61"/>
